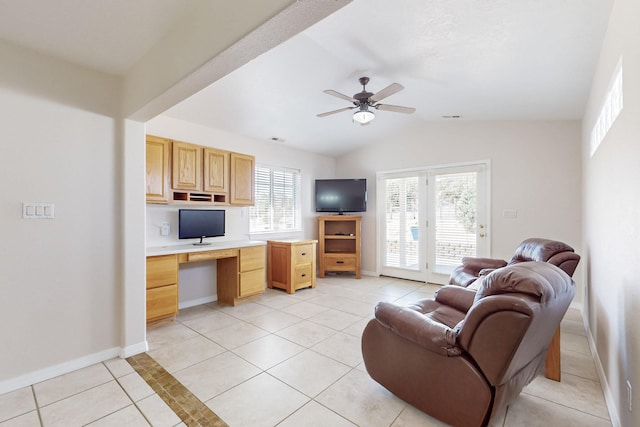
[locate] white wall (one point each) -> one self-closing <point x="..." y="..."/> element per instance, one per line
<point x="311" y="166"/>
<point x="73" y="287"/>
<point x="611" y="214"/>
<point x="535" y="169"/>
<point x="61" y="142"/>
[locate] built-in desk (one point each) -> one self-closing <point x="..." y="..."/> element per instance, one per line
<point x="240" y="273"/>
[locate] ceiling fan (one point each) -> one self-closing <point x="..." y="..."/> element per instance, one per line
<point x="365" y="101"/>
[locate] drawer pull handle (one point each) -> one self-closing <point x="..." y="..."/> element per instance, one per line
<point x="304" y="275"/>
<point x="304" y="253"/>
<point x="339" y="262"/>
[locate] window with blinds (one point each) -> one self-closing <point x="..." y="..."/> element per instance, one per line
<point x="401" y="223"/>
<point x="455" y="209"/>
<point x="277" y="200"/>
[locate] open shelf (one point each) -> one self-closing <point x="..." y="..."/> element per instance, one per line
<point x="339" y="244"/>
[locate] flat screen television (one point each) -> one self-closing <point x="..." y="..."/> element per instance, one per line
<point x="200" y="223"/>
<point x="341" y="195"/>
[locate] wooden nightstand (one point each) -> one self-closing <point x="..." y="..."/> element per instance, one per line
<point x="291" y="264"/>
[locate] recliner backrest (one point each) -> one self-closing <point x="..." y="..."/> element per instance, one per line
<point x="515" y="313"/>
<point x="545" y="250"/>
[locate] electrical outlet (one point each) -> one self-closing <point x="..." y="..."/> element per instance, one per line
<point x="630" y="395"/>
<point x="164" y="229"/>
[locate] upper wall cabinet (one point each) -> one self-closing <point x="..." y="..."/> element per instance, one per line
<point x="243" y="171"/>
<point x="216" y="170"/>
<point x="198" y="174"/>
<point x="157" y="166"/>
<point x="186" y="167"/>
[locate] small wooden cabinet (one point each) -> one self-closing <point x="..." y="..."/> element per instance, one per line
<point x="157" y="169"/>
<point x="340" y="246"/>
<point x="162" y="287"/>
<point x="243" y="179"/>
<point x="291" y="264"/>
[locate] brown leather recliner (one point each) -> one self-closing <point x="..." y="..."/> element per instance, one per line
<point x="464" y="355"/>
<point x="534" y="249"/>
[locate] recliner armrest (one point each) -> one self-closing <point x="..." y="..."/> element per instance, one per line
<point x="475" y="265"/>
<point x="416" y="327"/>
<point x="457" y="297"/>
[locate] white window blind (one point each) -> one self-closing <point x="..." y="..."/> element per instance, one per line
<point x="455" y="209"/>
<point x="402" y="238"/>
<point x="277" y="200"/>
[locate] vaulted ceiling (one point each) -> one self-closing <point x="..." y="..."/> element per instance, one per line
<point x="480" y="60"/>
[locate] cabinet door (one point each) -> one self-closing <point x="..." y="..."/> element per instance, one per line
<point x="252" y="258"/>
<point x="157" y="166"/>
<point x="242" y="179"/>
<point x="186" y="166"/>
<point x="216" y="170"/>
<point x="162" y="270"/>
<point x="251" y="282"/>
<point x="162" y="302"/>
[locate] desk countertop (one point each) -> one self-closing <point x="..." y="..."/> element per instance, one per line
<point x="180" y="249"/>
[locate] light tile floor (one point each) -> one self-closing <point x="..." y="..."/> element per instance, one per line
<point x="288" y="360"/>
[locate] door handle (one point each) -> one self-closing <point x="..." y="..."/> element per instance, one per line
<point x="482" y="234"/>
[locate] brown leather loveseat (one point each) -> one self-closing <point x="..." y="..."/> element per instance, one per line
<point x="464" y="355"/>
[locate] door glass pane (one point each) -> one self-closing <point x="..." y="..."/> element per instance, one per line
<point x="455" y="227"/>
<point x="402" y="241"/>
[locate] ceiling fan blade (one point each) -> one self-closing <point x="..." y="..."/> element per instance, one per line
<point x="395" y="108"/>
<point x="387" y="91"/>
<point x="339" y="95"/>
<point x="328" y="113"/>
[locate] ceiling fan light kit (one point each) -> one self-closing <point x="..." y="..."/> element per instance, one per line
<point x="363" y="116"/>
<point x="363" y="100"/>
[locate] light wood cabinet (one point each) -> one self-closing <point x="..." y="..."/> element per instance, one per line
<point x="242" y="179"/>
<point x="186" y="166"/>
<point x="216" y="170"/>
<point x="162" y="287"/>
<point x="339" y="244"/>
<point x="291" y="264"/>
<point x="157" y="169"/>
<point x="179" y="171"/>
<point x="252" y="271"/>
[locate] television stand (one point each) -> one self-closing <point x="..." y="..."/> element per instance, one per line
<point x="339" y="244"/>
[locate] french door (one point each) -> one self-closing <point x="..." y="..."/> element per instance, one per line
<point x="429" y="219"/>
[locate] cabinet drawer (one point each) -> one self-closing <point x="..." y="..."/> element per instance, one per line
<point x="162" y="302"/>
<point x="340" y="262"/>
<point x="162" y="270"/>
<point x="252" y="258"/>
<point x="302" y="254"/>
<point x="251" y="282"/>
<point x="207" y="255"/>
<point x="302" y="274"/>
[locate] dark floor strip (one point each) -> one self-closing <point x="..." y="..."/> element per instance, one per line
<point x="188" y="407"/>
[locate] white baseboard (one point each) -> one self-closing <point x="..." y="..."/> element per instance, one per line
<point x="132" y="350"/>
<point x="198" y="301"/>
<point x="54" y="371"/>
<point x="606" y="389"/>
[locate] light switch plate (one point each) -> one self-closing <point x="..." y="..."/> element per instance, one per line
<point x="38" y="210"/>
<point x="509" y="213"/>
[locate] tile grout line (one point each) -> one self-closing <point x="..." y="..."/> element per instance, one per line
<point x="185" y="404"/>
